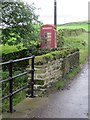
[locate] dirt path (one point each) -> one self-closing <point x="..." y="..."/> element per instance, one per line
<point x="69" y="103"/>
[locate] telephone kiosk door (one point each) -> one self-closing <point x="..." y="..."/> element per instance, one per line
<point x="47" y="39"/>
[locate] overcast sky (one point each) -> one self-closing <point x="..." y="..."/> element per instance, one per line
<point x="67" y="10"/>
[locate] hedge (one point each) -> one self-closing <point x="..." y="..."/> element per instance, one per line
<point x="22" y="54"/>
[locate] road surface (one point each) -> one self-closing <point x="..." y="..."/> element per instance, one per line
<point x="68" y="103"/>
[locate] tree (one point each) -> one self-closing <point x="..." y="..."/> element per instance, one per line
<point x="19" y="23"/>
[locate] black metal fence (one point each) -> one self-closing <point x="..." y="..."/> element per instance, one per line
<point x="30" y="85"/>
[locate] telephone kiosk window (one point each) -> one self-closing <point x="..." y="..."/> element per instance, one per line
<point x="47" y="35"/>
<point x="47" y="39"/>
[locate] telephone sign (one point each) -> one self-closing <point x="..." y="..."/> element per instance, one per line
<point x="48" y="36"/>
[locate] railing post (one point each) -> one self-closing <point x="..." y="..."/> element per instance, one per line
<point x="10" y="87"/>
<point x="32" y="77"/>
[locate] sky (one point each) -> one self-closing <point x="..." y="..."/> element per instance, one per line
<point x="67" y="10"/>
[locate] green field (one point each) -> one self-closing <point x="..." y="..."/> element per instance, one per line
<point x="80" y="42"/>
<point x="75" y="25"/>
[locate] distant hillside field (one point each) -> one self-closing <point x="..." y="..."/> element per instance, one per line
<point x="75" y="25"/>
<point x="79" y="41"/>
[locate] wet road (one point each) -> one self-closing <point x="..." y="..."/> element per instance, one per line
<point x="68" y="103"/>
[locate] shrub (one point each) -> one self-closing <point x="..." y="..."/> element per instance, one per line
<point x="60" y="38"/>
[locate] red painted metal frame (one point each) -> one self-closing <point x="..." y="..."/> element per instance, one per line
<point x="51" y="29"/>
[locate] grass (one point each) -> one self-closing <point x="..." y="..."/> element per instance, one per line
<point x="73" y="73"/>
<point x="80" y="42"/>
<point x="0" y="50"/>
<point x="62" y="83"/>
<point x="75" y="25"/>
<point x="16" y="99"/>
<point x="9" y="49"/>
<point x="17" y="84"/>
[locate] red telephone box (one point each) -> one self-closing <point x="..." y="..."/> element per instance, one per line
<point x="48" y="36"/>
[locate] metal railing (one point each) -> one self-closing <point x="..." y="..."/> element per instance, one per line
<point x="10" y="79"/>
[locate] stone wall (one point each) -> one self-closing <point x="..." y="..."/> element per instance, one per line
<point x="71" y="32"/>
<point x="70" y="62"/>
<point x="49" y="72"/>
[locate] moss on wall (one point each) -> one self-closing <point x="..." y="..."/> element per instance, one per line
<point x="40" y="60"/>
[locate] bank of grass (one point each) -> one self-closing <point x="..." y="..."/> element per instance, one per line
<point x="20" y="96"/>
<point x="80" y="42"/>
<point x="62" y="83"/>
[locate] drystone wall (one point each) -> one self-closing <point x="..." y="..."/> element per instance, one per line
<point x="71" y="32"/>
<point x="49" y="72"/>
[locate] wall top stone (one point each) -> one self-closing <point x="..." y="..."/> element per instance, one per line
<point x="60" y="54"/>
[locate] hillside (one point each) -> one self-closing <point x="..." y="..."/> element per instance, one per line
<point x="75" y="25"/>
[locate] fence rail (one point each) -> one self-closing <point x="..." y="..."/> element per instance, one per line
<point x="11" y="78"/>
